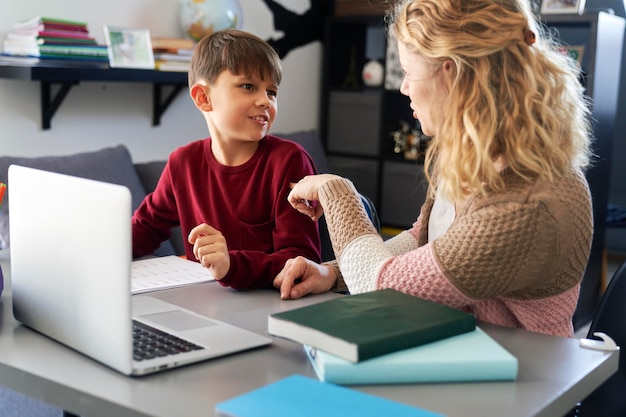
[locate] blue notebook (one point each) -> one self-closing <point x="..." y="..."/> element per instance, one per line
<point x="300" y="396"/>
<point x="472" y="356"/>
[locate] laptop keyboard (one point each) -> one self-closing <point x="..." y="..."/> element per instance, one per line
<point x="149" y="343"/>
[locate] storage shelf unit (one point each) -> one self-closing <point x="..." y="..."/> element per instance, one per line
<point x="601" y="35"/>
<point x="357" y="121"/>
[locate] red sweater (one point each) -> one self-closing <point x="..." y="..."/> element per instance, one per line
<point x="247" y="204"/>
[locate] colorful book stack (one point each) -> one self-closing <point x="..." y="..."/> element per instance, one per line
<point x="172" y="54"/>
<point x="51" y="38"/>
<point x="388" y="337"/>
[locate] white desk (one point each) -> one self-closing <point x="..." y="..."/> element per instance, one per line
<point x="554" y="372"/>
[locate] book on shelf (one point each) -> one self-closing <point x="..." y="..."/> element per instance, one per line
<point x="166" y="56"/>
<point x="30" y="45"/>
<point x="94" y="51"/>
<point x="21" y="60"/>
<point x="367" y="325"/>
<point x="81" y="50"/>
<point x="472" y="356"/>
<point x="49" y="23"/>
<point x="46" y="37"/>
<point x="17" y="39"/>
<point x="302" y="396"/>
<point x="172" y="61"/>
<point x="54" y="61"/>
<point x="175" y="66"/>
<point x="35" y="33"/>
<point x="173" y="45"/>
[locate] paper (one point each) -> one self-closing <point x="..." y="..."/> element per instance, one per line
<point x="165" y="272"/>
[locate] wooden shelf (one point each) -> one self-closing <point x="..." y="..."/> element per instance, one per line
<point x="57" y="79"/>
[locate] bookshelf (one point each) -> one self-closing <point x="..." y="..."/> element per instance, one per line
<point x="599" y="36"/>
<point x="56" y="80"/>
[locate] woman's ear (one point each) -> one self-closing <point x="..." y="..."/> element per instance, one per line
<point x="449" y="67"/>
<point x="200" y="95"/>
<point x="449" y="72"/>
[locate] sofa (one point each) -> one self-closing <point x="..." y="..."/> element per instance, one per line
<point x="115" y="165"/>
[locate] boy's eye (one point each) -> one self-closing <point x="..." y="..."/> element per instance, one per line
<point x="247" y="86"/>
<point x="272" y="93"/>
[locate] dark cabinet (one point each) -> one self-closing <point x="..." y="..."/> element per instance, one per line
<point x="596" y="40"/>
<point x="359" y="118"/>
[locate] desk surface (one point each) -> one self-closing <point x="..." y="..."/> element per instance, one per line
<point x="554" y="373"/>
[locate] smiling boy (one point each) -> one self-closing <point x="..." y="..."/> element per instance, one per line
<point x="228" y="192"/>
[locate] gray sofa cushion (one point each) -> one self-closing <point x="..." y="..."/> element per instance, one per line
<point x="311" y="142"/>
<point x="112" y="165"/>
<point x="149" y="174"/>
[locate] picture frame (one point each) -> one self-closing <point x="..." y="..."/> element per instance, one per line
<point x="576" y="52"/>
<point x="129" y="47"/>
<point x="562" y="7"/>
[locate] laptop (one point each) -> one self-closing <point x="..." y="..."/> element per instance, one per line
<point x="71" y="259"/>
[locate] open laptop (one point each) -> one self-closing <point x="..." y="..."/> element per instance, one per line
<point x="70" y="272"/>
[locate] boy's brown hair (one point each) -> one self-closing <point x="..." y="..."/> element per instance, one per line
<point x="242" y="53"/>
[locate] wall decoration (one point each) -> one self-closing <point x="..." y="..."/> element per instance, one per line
<point x="576" y="52"/>
<point x="199" y="18"/>
<point x="373" y="73"/>
<point x="562" y="6"/>
<point x="393" y="72"/>
<point x="298" y="29"/>
<point x="410" y="141"/>
<point x="129" y="48"/>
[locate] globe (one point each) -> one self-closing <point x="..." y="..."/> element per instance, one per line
<point x="199" y="18"/>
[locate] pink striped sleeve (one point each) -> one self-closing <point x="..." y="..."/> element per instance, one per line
<point x="418" y="273"/>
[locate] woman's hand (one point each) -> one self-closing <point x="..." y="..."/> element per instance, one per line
<point x="305" y="191"/>
<point x="301" y="276"/>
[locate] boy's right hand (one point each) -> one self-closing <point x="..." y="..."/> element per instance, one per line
<point x="210" y="249"/>
<point x="301" y="276"/>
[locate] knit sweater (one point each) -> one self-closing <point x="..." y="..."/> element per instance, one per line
<point x="246" y="203"/>
<point x="513" y="258"/>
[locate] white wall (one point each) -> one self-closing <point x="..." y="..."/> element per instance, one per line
<point x="95" y="115"/>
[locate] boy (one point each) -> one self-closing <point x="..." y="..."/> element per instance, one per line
<point x="229" y="191"/>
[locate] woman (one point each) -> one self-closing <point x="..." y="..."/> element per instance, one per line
<point x="506" y="229"/>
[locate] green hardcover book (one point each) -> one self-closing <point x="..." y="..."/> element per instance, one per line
<point x="367" y="325"/>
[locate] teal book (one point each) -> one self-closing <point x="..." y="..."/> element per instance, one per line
<point x="300" y="396"/>
<point x="364" y="326"/>
<point x="472" y="356"/>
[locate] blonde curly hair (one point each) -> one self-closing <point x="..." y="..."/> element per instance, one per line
<point x="515" y="93"/>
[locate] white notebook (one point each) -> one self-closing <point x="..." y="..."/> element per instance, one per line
<point x="165" y="272"/>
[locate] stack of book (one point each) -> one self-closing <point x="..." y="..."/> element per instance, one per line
<point x="388" y="337"/>
<point x="172" y="54"/>
<point x="51" y="38"/>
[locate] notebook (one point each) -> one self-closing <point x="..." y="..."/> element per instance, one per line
<point x="70" y="275"/>
<point x="163" y="272"/>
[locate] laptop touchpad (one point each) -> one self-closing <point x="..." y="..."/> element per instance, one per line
<point x="178" y="320"/>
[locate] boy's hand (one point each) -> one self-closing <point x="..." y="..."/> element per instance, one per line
<point x="301" y="276"/>
<point x="209" y="247"/>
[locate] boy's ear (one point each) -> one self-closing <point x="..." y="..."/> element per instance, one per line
<point x="200" y="95"/>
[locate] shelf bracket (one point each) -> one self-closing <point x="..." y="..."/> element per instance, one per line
<point x="160" y="103"/>
<point x="49" y="103"/>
